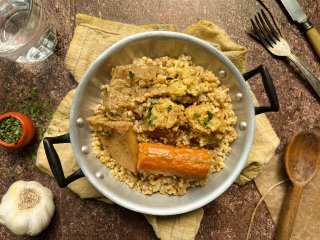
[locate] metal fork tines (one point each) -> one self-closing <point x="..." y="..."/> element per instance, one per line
<point x="272" y="40"/>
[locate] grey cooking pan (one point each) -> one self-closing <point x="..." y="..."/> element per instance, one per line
<point x="157" y="44"/>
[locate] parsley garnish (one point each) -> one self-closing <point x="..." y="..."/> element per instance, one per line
<point x="154" y="101"/>
<point x="107" y="133"/>
<point x="169" y="108"/>
<point x="208" y="118"/>
<point x="131" y="75"/>
<point x="152" y="117"/>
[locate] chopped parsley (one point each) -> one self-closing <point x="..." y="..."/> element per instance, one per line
<point x="131" y="75"/>
<point x="40" y="110"/>
<point x="10" y="130"/>
<point x="34" y="108"/>
<point x="107" y="133"/>
<point x="208" y="118"/>
<point x="151" y="117"/>
<point x="49" y="130"/>
<point x="154" y="100"/>
<point x="169" y="108"/>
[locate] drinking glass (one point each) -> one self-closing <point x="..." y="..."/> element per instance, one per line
<point x="26" y="32"/>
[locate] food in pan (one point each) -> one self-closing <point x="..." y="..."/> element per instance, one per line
<point x="163" y="125"/>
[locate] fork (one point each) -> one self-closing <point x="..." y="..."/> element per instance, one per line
<point x="272" y="40"/>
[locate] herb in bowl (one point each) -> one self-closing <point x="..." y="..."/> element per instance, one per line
<point x="17" y="130"/>
<point x="10" y="130"/>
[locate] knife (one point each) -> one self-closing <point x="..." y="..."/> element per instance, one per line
<point x="297" y="14"/>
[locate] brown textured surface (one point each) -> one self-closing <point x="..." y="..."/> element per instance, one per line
<point x="228" y="216"/>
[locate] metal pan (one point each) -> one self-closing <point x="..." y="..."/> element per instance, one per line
<point x="156" y="44"/>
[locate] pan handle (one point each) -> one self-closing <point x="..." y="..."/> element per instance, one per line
<point x="268" y="87"/>
<point x="55" y="163"/>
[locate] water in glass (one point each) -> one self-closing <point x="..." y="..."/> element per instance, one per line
<point x="26" y="32"/>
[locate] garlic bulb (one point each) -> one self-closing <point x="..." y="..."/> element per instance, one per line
<point x="27" y="208"/>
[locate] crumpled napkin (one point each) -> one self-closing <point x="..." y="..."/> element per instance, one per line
<point x="91" y="37"/>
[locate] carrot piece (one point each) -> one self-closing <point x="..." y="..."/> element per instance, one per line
<point x="173" y="161"/>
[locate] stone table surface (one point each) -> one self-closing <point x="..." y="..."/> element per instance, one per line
<point x="37" y="88"/>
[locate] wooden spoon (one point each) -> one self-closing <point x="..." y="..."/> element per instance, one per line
<point x="302" y="160"/>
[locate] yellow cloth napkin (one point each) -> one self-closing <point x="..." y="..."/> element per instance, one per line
<point x="92" y="36"/>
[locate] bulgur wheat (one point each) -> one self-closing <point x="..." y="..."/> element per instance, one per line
<point x="168" y="101"/>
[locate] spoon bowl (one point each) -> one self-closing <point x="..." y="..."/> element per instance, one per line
<point x="302" y="157"/>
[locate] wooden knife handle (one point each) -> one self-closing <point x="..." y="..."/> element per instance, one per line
<point x="312" y="35"/>
<point x="314" y="38"/>
<point x="288" y="212"/>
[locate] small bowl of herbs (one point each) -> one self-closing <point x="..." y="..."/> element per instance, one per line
<point x="16" y="130"/>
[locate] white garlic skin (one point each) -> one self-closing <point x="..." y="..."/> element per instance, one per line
<point x="29" y="221"/>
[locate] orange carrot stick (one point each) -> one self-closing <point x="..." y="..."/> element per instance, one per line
<point x="173" y="161"/>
